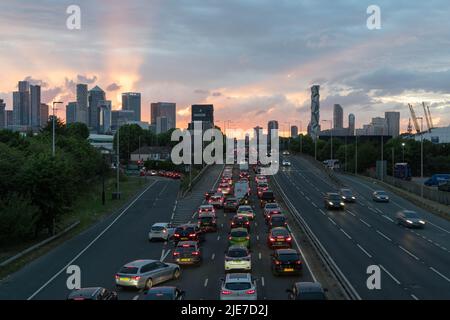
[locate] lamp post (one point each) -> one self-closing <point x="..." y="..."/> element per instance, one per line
<point x="421" y="156"/>
<point x="53" y="126"/>
<point x="356" y="154"/>
<point x="331" y="132"/>
<point x="403" y="151"/>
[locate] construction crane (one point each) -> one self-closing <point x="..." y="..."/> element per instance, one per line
<point x="429" y="116"/>
<point x="413" y="116"/>
<point x="426" y="116"/>
<point x="409" y="128"/>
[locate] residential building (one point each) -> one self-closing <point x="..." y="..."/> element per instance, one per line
<point x="151" y="153"/>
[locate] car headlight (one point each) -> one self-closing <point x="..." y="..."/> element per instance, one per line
<point x="409" y="221"/>
<point x="421" y="221"/>
<point x="330" y="203"/>
<point x="342" y="204"/>
<point x="353" y="198"/>
<point x="343" y="197"/>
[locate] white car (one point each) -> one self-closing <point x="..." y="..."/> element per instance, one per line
<point x="238" y="286"/>
<point x="161" y="231"/>
<point x="286" y="163"/>
<point x="246" y="211"/>
<point x="238" y="258"/>
<point x="286" y="153"/>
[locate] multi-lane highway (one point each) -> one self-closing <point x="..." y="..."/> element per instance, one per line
<point x="413" y="263"/>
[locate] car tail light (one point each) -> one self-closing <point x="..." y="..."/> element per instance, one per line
<point x="195" y="253"/>
<point x="247" y="223"/>
<point x="277" y="262"/>
<point x="226" y="292"/>
<point x="192" y="235"/>
<point x="298" y="262"/>
<point x="229" y="238"/>
<point x="271" y="239"/>
<point x="136" y="278"/>
<point x="247" y="237"/>
<point x="251" y="291"/>
<point x="117" y="276"/>
<point x="176" y="235"/>
<point x="186" y="246"/>
<point x="288" y="239"/>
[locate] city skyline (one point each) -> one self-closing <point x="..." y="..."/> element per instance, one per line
<point x="366" y="72"/>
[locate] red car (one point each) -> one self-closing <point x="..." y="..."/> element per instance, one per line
<point x="279" y="238"/>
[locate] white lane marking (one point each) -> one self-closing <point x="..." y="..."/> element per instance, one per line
<point x="307" y="198"/>
<point x="90" y="243"/>
<point x="368" y="225"/>
<point x="322" y="212"/>
<point x="408" y="252"/>
<point x="379" y="210"/>
<point x="372" y="209"/>
<point x="256" y="224"/>
<point x="332" y="221"/>
<point x="383" y="235"/>
<point x="364" y="250"/>
<point x="437" y="272"/>
<point x="218" y="238"/>
<point x="213" y="256"/>
<point x="347" y="235"/>
<point x="259" y="256"/>
<point x="257" y="237"/>
<point x="136" y="297"/>
<point x="164" y="255"/>
<point x="262" y="281"/>
<point x="206" y="282"/>
<point x="315" y="205"/>
<point x="351" y="213"/>
<point x="386" y="217"/>
<point x="389" y="274"/>
<point x="414" y="297"/>
<point x="438" y="227"/>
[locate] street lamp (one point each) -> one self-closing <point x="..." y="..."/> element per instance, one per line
<point x="53" y="126"/>
<point x="331" y="131"/>
<point x="421" y="156"/>
<point x="403" y="151"/>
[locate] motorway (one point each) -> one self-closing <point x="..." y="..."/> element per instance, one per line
<point x="414" y="264"/>
<point x="101" y="250"/>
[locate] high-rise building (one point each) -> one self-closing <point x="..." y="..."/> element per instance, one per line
<point x="351" y="124"/>
<point x="71" y="112"/>
<point x="294" y="131"/>
<point x="120" y="117"/>
<point x="2" y="114"/>
<point x="393" y="123"/>
<point x="132" y="101"/>
<point x="338" y="117"/>
<point x="163" y="109"/>
<point x="203" y="113"/>
<point x="314" y="124"/>
<point x="21" y="104"/>
<point x="43" y="112"/>
<point x="35" y="106"/>
<point x="9" y="118"/>
<point x="162" y="124"/>
<point x="82" y="104"/>
<point x="96" y="95"/>
<point x="104" y="116"/>
<point x="271" y="125"/>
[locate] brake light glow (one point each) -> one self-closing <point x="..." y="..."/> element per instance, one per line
<point x="251" y="291"/>
<point x="288" y="239"/>
<point x="176" y="253"/>
<point x="192" y="235"/>
<point x="226" y="292"/>
<point x="176" y="235"/>
<point x="195" y="253"/>
<point x="136" y="278"/>
<point x="271" y="239"/>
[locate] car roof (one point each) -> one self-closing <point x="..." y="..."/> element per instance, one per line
<point x="286" y="251"/>
<point x="139" y="263"/>
<point x="239" y="229"/>
<point x="279" y="229"/>
<point x="237" y="247"/>
<point x="85" y="292"/>
<point x="332" y="194"/>
<point x="190" y="243"/>
<point x="160" y="224"/>
<point x="238" y="277"/>
<point x="206" y="206"/>
<point x="309" y="287"/>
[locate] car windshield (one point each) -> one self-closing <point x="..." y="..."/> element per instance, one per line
<point x="238" y="286"/>
<point x="288" y="256"/>
<point x="238" y="233"/>
<point x="272" y="206"/>
<point x="278" y="218"/>
<point x="205" y="219"/>
<point x="411" y="215"/>
<point x="237" y="253"/>
<point x="129" y="270"/>
<point x="381" y="193"/>
<point x="334" y="197"/>
<point x="279" y="232"/>
<point x="185" y="249"/>
<point x="346" y="192"/>
<point x="311" y="296"/>
<point x="157" y="228"/>
<point x="158" y="296"/>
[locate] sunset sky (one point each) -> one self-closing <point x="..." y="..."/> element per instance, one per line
<point x="255" y="60"/>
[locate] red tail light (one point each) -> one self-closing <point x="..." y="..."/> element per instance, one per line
<point x="176" y="235"/>
<point x="251" y="291"/>
<point x="176" y="253"/>
<point x="248" y="238"/>
<point x="298" y="262"/>
<point x="226" y="292"/>
<point x="136" y="278"/>
<point x="229" y="238"/>
<point x="195" y="253"/>
<point x="117" y="276"/>
<point x="247" y="223"/>
<point x="271" y="239"/>
<point x="277" y="262"/>
<point x="288" y="239"/>
<point x="192" y="235"/>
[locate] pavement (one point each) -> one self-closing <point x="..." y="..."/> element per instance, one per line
<point x="413" y="263"/>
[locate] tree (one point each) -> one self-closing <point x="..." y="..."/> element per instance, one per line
<point x="78" y="129"/>
<point x="129" y="140"/>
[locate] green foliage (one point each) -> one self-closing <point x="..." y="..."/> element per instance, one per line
<point x="160" y="165"/>
<point x="78" y="129"/>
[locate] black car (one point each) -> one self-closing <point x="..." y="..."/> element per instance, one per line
<point x="240" y="222"/>
<point x="333" y="201"/>
<point x="230" y="204"/>
<point x="286" y="261"/>
<point x="188" y="232"/>
<point x="266" y="197"/>
<point x="95" y="293"/>
<point x="187" y="252"/>
<point x="410" y="219"/>
<point x="209" y="194"/>
<point x="164" y="293"/>
<point x="307" y="291"/>
<point x="277" y="220"/>
<point x="347" y="195"/>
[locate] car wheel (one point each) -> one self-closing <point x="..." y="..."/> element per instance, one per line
<point x="149" y="284"/>
<point x="176" y="274"/>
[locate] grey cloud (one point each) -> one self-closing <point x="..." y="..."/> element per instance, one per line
<point x="86" y="79"/>
<point x="38" y="82"/>
<point x="113" y="87"/>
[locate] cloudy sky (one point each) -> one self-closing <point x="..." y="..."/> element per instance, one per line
<point x="253" y="59"/>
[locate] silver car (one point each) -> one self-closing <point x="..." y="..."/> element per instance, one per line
<point x="410" y="219"/>
<point x="161" y="231"/>
<point x="143" y="274"/>
<point x="238" y="286"/>
<point x="380" y="196"/>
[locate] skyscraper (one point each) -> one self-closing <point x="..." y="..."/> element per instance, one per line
<point x="351" y="124"/>
<point x="121" y="117"/>
<point x="161" y="125"/>
<point x="82" y="104"/>
<point x="21" y="104"/>
<point x="71" y="112"/>
<point x="9" y="118"/>
<point x="96" y="95"/>
<point x="43" y="115"/>
<point x="132" y="101"/>
<point x="393" y="123"/>
<point x="203" y="113"/>
<point x="271" y="125"/>
<point x="2" y="114"/>
<point x="338" y="117"/>
<point x="104" y="116"/>
<point x="163" y="109"/>
<point x="35" y="106"/>
<point x="294" y="131"/>
<point x="314" y="124"/>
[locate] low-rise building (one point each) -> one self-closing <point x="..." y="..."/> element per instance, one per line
<point x="151" y="153"/>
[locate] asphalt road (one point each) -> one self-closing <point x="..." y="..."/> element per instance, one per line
<point x="414" y="263"/>
<point x="102" y="249"/>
